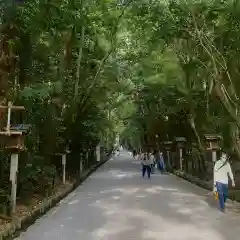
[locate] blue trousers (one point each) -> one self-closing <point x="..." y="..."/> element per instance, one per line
<point x="146" y="169"/>
<point x="161" y="166"/>
<point x="222" y="194"/>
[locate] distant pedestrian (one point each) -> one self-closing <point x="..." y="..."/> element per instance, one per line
<point x="152" y="162"/>
<point x="161" y="163"/>
<point x="118" y="152"/>
<point x="134" y="154"/>
<point x="146" y="166"/>
<point x="222" y="171"/>
<point x="140" y="155"/>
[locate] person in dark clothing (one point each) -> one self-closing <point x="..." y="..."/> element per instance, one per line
<point x="152" y="161"/>
<point x="161" y="163"/>
<point x="134" y="153"/>
<point x="146" y="166"/>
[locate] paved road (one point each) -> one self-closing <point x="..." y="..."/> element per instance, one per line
<point x="116" y="204"/>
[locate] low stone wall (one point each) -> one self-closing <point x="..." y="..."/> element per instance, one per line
<point x="234" y="195"/>
<point x="197" y="181"/>
<point x="18" y="224"/>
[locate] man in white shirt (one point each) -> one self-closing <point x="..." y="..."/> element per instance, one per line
<point x="151" y="159"/>
<point x="222" y="171"/>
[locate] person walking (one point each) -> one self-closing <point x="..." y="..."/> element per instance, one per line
<point x="221" y="172"/>
<point x="134" y="154"/>
<point x="146" y="166"/>
<point x="161" y="163"/>
<point x="118" y="152"/>
<point x="152" y="161"/>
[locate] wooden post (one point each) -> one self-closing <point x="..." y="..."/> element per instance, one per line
<point x="98" y="153"/>
<point x="80" y="165"/>
<point x="87" y="159"/>
<point x="181" y="158"/>
<point x="168" y="156"/>
<point x="214" y="156"/>
<point x="168" y="145"/>
<point x="13" y="179"/>
<point x="64" y="160"/>
<point x="9" y="117"/>
<point x="181" y="145"/>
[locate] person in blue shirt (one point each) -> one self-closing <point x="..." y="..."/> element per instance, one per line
<point x="161" y="164"/>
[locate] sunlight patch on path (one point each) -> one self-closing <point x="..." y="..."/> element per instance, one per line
<point x="115" y="174"/>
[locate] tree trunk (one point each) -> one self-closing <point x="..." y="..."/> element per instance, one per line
<point x="225" y="102"/>
<point x="193" y="166"/>
<point x="80" y="54"/>
<point x="193" y="126"/>
<point x="235" y="138"/>
<point x="201" y="163"/>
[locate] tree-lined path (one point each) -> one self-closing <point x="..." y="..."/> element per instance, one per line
<point x="116" y="203"/>
<point x="145" y="74"/>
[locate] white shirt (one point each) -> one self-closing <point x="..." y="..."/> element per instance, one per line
<point x="146" y="162"/>
<point x="221" y="173"/>
<point x="140" y="156"/>
<point x="151" y="159"/>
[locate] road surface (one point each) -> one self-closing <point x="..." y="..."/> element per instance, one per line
<point x="115" y="203"/>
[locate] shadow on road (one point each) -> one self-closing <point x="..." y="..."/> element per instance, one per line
<point x="117" y="204"/>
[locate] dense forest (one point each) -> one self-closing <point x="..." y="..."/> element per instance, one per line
<point x="89" y="70"/>
<point x="183" y="60"/>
